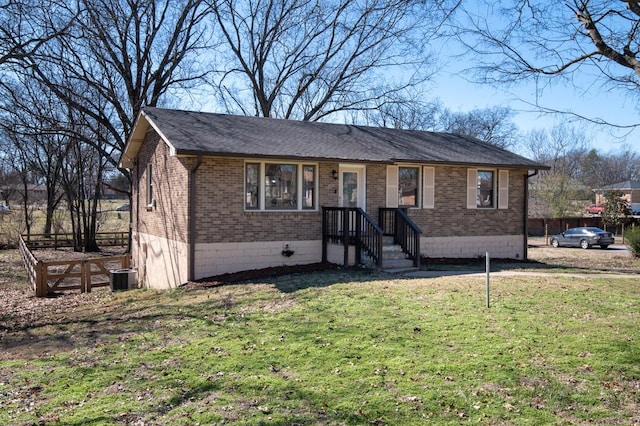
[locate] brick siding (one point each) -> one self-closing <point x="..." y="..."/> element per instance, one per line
<point x="221" y="215"/>
<point x="222" y="223"/>
<point x="168" y="218"/>
<point x="451" y="217"/>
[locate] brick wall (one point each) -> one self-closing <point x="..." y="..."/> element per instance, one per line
<point x="450" y="217"/>
<point x="168" y="217"/>
<point x="376" y="189"/>
<point x="221" y="215"/>
<point x="221" y="222"/>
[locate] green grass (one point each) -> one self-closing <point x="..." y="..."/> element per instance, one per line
<point x="334" y="348"/>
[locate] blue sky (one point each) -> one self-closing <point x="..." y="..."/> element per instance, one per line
<point x="581" y="92"/>
<point x="458" y="94"/>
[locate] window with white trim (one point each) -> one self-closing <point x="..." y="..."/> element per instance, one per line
<point x="252" y="186"/>
<point x="408" y="178"/>
<point x="485" y="196"/>
<point x="280" y="186"/>
<point x="411" y="186"/>
<point x="487" y="189"/>
<point x="149" y="185"/>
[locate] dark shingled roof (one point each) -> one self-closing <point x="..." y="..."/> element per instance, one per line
<point x="626" y="185"/>
<point x="229" y="135"/>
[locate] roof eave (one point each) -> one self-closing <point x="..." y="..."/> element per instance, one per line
<point x="140" y="129"/>
<point x="187" y="152"/>
<point x="133" y="145"/>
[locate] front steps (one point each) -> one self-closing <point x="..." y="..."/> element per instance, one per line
<point x="394" y="260"/>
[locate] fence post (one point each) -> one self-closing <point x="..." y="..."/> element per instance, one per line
<point x="41" y="279"/>
<point x="546" y="233"/>
<point x="85" y="277"/>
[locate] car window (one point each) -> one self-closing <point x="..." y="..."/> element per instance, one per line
<point x="570" y="232"/>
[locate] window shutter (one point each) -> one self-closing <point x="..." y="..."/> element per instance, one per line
<point x="428" y="187"/>
<point x="503" y="189"/>
<point x="392" y="186"/>
<point x="472" y="188"/>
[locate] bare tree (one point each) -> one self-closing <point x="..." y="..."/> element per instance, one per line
<point x="556" y="191"/>
<point x="32" y="118"/>
<point x="113" y="58"/>
<point x="308" y="59"/>
<point x="621" y="165"/>
<point x="82" y="182"/>
<point x="411" y="112"/>
<point x="19" y="164"/>
<point x="562" y="148"/>
<point x="124" y="54"/>
<point x="26" y="25"/>
<point x="493" y="125"/>
<point x="602" y="169"/>
<point x="9" y="178"/>
<point x="543" y="41"/>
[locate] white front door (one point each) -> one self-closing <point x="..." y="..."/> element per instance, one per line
<point x="352" y="187"/>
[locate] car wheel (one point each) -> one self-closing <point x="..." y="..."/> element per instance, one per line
<point x="584" y="244"/>
<point x="604" y="246"/>
<point x="555" y="243"/>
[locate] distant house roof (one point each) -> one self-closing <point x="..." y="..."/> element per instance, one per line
<point x="622" y="186"/>
<point x="190" y="133"/>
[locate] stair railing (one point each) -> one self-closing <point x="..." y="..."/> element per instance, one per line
<point x="396" y="223"/>
<point x="351" y="226"/>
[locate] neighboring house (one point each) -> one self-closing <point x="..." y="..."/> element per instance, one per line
<point x="215" y="193"/>
<point x="14" y="192"/>
<point x="630" y="191"/>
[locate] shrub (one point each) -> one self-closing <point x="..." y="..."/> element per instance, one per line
<point x="632" y="237"/>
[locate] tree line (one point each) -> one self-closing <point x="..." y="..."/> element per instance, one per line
<point x="75" y="74"/>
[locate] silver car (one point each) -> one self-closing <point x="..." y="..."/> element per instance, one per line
<point x="584" y="236"/>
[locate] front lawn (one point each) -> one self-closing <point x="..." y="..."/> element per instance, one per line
<point x="329" y="348"/>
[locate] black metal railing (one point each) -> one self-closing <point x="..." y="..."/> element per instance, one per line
<point x="396" y="223"/>
<point x="351" y="226"/>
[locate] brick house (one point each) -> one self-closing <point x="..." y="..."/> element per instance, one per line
<point x="630" y="191"/>
<point x="216" y="193"/>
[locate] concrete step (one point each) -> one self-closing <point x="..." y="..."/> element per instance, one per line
<point x="396" y="263"/>
<point x="394" y="260"/>
<point x="387" y="241"/>
<point x="400" y="270"/>
<point x="394" y="255"/>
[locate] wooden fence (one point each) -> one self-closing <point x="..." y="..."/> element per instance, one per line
<point x="543" y="227"/>
<point x="66" y="275"/>
<point x="56" y="241"/>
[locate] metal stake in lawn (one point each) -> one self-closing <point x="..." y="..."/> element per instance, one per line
<point x="488" y="268"/>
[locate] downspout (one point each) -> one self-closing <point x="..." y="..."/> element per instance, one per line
<point x="137" y="204"/>
<point x="526" y="214"/>
<point x="192" y="217"/>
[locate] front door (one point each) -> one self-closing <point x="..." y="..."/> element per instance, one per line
<point x="352" y="187"/>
